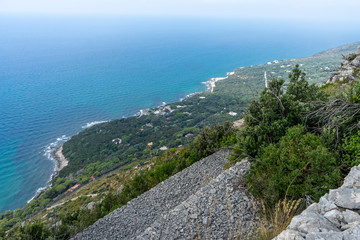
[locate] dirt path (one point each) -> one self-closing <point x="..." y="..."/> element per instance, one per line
<point x="73" y="199"/>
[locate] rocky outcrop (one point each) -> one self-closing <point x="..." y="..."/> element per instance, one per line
<point x="349" y="69"/>
<point x="167" y="210"/>
<point x="335" y="217"/>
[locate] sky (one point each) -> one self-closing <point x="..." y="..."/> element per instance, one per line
<point x="345" y="10"/>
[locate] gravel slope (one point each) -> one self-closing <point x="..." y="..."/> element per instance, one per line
<point x="133" y="219"/>
<point x="223" y="209"/>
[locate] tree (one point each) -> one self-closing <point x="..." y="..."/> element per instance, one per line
<point x="268" y="118"/>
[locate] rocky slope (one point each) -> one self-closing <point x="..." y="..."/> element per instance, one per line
<point x="335" y="217"/>
<point x="199" y="196"/>
<point x="220" y="210"/>
<point x="349" y="69"/>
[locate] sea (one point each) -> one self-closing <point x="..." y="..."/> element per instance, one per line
<point x="62" y="74"/>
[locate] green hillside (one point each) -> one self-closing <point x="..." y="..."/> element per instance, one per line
<point x="168" y="139"/>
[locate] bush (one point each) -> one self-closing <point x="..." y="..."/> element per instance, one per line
<point x="299" y="165"/>
<point x="352" y="147"/>
<point x="210" y="140"/>
<point x="35" y="230"/>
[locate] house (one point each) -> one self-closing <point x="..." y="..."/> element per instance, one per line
<point x="231" y="113"/>
<point x="164" y="148"/>
<point x="70" y="190"/>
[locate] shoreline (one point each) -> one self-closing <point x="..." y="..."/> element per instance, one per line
<point x="211" y="84"/>
<point x="57" y="153"/>
<point x="61" y="161"/>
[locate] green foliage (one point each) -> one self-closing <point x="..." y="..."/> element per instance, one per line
<point x="268" y="118"/>
<point x="301" y="89"/>
<point x="354" y="93"/>
<point x="108" y="204"/>
<point x="210" y="140"/>
<point x="299" y="165"/>
<point x="92" y="151"/>
<point x="352" y="149"/>
<point x="33" y="231"/>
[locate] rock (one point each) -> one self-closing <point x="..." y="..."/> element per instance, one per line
<point x="352" y="180"/>
<point x="325" y="204"/>
<point x="308" y="222"/>
<point x="324" y="236"/>
<point x="335" y="217"/>
<point x="349" y="69"/>
<point x="90" y="205"/>
<point x="194" y="216"/>
<point x="350" y="225"/>
<point x="290" y="235"/>
<point x="352" y="233"/>
<point x="345" y="198"/>
<point x="350" y="217"/>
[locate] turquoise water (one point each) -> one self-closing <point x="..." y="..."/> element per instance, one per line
<point x="57" y="74"/>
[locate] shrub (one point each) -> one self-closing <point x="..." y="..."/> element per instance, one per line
<point x="35" y="230"/>
<point x="299" y="165"/>
<point x="352" y="147"/>
<point x="210" y="140"/>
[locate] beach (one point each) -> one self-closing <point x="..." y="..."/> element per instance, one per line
<point x="212" y="83"/>
<point x="61" y="161"/>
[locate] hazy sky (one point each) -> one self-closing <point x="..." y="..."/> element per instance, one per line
<point x="284" y="9"/>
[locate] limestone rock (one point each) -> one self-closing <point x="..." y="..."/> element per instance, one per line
<point x="352" y="180"/>
<point x="290" y="235"/>
<point x="345" y="198"/>
<point x="324" y="236"/>
<point x="309" y="221"/>
<point x="349" y="69"/>
<point x="335" y="217"/>
<point x="350" y="217"/>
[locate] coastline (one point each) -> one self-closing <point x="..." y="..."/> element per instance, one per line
<point x="61" y="161"/>
<point x="211" y="84"/>
<point x="56" y="154"/>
